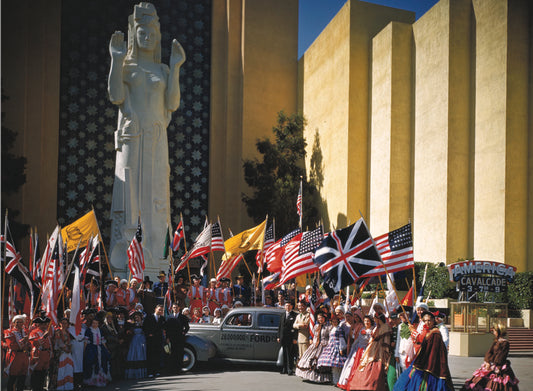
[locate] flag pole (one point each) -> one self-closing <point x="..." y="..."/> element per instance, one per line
<point x="102" y="241"/>
<point x="68" y="274"/>
<point x="185" y="246"/>
<point x="301" y="202"/>
<point x="385" y="268"/>
<point x="3" y="277"/>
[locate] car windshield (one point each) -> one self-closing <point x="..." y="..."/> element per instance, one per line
<point x="239" y="320"/>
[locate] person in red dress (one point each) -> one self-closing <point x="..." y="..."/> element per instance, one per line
<point x="212" y="297"/>
<point x="121" y="294"/>
<point x="224" y="293"/>
<point x="41" y="352"/>
<point x="196" y="295"/>
<point x="18" y="349"/>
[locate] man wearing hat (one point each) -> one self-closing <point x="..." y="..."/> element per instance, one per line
<point x="241" y="292"/>
<point x="93" y="294"/>
<point x="147" y="296"/>
<point x="196" y="294"/>
<point x="224" y="294"/>
<point x="41" y="352"/>
<point x="122" y="293"/>
<point x="110" y="292"/>
<point x="161" y="287"/>
<point x="18" y="347"/>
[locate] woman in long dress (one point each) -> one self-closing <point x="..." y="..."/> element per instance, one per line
<point x="357" y="343"/>
<point x="429" y="370"/>
<point x="96" y="357"/>
<point x="334" y="355"/>
<point x="371" y="373"/>
<point x="65" y="363"/>
<point x="136" y="358"/>
<point x="496" y="373"/>
<point x="307" y="365"/>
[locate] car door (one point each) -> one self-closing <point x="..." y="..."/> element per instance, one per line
<point x="265" y="338"/>
<point x="236" y="336"/>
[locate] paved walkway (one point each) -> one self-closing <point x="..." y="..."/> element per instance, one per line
<point x="231" y="377"/>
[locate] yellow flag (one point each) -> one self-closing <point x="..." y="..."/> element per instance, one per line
<point x="251" y="239"/>
<point x="84" y="228"/>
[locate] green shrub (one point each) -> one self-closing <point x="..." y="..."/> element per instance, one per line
<point x="520" y="291"/>
<point x="438" y="284"/>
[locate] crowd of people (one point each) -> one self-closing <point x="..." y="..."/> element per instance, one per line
<point x="132" y="337"/>
<point x="382" y="350"/>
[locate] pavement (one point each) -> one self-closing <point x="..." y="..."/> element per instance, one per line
<point x="236" y="377"/>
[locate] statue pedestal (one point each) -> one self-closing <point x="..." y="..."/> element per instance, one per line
<point x="470" y="344"/>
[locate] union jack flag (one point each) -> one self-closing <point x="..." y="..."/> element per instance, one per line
<point x="179" y="234"/>
<point x="345" y="255"/>
<point x="136" y="255"/>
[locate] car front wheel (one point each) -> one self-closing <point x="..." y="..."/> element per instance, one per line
<point x="189" y="359"/>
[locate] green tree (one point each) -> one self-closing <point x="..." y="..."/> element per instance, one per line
<point x="275" y="179"/>
<point x="13" y="177"/>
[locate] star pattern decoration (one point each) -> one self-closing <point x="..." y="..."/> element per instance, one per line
<point x="88" y="119"/>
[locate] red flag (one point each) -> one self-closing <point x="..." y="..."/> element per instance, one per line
<point x="408" y="298"/>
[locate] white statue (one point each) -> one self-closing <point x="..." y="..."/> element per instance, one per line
<point x="146" y="92"/>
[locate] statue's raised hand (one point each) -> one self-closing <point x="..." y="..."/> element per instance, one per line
<point x="177" y="55"/>
<point x="117" y="46"/>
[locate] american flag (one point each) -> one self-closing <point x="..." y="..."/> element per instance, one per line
<point x="396" y="250"/>
<point x="201" y="246"/>
<point x="275" y="251"/>
<point x="345" y="255"/>
<point x="269" y="241"/>
<point x="227" y="267"/>
<point x="51" y="280"/>
<point x="179" y="234"/>
<point x="299" y="254"/>
<point x="313" y="302"/>
<point x="136" y="255"/>
<point x="217" y="241"/>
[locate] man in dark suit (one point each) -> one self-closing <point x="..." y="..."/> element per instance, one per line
<point x="153" y="330"/>
<point x="288" y="338"/>
<point x="176" y="327"/>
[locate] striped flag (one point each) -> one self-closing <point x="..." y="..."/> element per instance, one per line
<point x="299" y="254"/>
<point x="217" y="241"/>
<point x="136" y="256"/>
<point x="396" y="250"/>
<point x="179" y="234"/>
<point x="227" y="266"/>
<point x="313" y="302"/>
<point x="273" y="256"/>
<point x="201" y="246"/>
<point x="77" y="302"/>
<point x="269" y="241"/>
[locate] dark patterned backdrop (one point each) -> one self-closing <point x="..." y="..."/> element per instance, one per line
<point x="88" y="119"/>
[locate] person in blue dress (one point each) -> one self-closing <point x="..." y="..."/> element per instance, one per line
<point x="96" y="357"/>
<point x="334" y="355"/>
<point x="136" y="358"/>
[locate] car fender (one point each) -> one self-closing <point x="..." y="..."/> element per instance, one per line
<point x="203" y="348"/>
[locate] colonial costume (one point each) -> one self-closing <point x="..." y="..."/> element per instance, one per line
<point x="136" y="358"/>
<point x="65" y="363"/>
<point x="496" y="373"/>
<point x="96" y="358"/>
<point x="41" y="353"/>
<point x="371" y="374"/>
<point x="17" y="355"/>
<point x="429" y="370"/>
<point x="307" y="365"/>
<point x="334" y="355"/>
<point x="357" y="343"/>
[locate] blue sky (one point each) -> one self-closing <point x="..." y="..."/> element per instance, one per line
<point x="316" y="14"/>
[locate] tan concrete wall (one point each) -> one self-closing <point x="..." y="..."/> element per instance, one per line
<point x="254" y="75"/>
<point x="501" y="159"/>
<point x="335" y="72"/>
<point x="391" y="128"/>
<point x="442" y="132"/>
<point x="32" y="63"/>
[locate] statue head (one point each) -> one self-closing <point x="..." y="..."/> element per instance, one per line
<point x="142" y="23"/>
